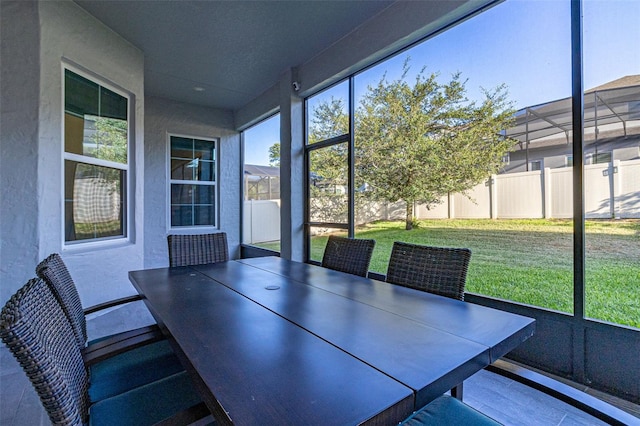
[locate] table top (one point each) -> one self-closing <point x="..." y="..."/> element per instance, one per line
<point x="490" y="327"/>
<point x="270" y="341"/>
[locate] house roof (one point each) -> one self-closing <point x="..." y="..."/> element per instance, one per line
<point x="626" y="81"/>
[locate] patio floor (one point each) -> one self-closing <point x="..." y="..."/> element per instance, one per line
<point x="506" y="400"/>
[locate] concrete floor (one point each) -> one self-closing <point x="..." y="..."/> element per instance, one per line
<point x="507" y="401"/>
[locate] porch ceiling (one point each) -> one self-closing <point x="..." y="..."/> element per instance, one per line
<point x="232" y="50"/>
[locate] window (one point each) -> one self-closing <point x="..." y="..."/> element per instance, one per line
<point x="383" y="168"/>
<point x="568" y="161"/>
<point x="602" y="157"/>
<point x="261" y="206"/>
<point x="612" y="194"/>
<point x="96" y="160"/>
<point x="327" y="155"/>
<point x="193" y="170"/>
<point x="506" y="158"/>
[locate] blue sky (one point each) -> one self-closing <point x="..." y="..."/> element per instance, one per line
<point x="524" y="44"/>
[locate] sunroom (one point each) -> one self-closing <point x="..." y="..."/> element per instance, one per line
<point x="125" y="122"/>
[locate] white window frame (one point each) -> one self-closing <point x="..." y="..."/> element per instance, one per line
<point x="216" y="195"/>
<point x="127" y="199"/>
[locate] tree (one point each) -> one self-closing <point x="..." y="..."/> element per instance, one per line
<point x="274" y="155"/>
<point x="328" y="119"/>
<point x="329" y="165"/>
<point x="418" y="143"/>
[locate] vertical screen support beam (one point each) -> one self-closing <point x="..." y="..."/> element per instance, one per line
<point x="577" y="104"/>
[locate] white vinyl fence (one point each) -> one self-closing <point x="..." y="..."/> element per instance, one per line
<point x="611" y="191"/>
<point x="261" y="221"/>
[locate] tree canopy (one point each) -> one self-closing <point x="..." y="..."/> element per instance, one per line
<point x="413" y="142"/>
<point x="417" y="143"/>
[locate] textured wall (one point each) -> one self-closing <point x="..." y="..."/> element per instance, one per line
<point x="19" y="89"/>
<point x="163" y="117"/>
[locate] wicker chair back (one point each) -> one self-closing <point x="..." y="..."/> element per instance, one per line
<point x="350" y="255"/>
<point x="55" y="273"/>
<point x="437" y="270"/>
<point x="37" y="332"/>
<point x="186" y="250"/>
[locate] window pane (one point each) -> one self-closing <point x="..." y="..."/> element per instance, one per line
<point x="181" y="215"/>
<point x="96" y="123"/>
<point x="81" y="95"/>
<point x="205" y="170"/>
<point x="192" y="205"/>
<point x="328" y="113"/>
<point x="328" y="186"/>
<point x="261" y="208"/>
<point x="203" y="150"/>
<point x="94" y="200"/>
<point x="204" y="215"/>
<point x="112" y="105"/>
<point x="182" y="169"/>
<point x="612" y="176"/>
<point x="428" y="173"/>
<point x="181" y="147"/>
<point x="192" y="159"/>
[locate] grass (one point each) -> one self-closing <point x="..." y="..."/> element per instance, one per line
<point x="530" y="261"/>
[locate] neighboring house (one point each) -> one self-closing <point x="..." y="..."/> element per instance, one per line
<point x="612" y="129"/>
<point x="261" y="182"/>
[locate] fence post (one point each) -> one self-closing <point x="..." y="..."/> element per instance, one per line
<point x="493" y="197"/>
<point x="616" y="179"/>
<point x="252" y="237"/>
<point x="546" y="194"/>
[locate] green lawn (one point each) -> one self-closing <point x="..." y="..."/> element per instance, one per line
<point x="530" y="261"/>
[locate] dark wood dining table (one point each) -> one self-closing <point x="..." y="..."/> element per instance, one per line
<point x="271" y="341"/>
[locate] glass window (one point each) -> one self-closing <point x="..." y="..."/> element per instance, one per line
<point x="612" y="190"/>
<point x="535" y="165"/>
<point x="96" y="152"/>
<point x="432" y="130"/>
<point x="261" y="207"/>
<point x="327" y="155"/>
<point x="328" y="113"/>
<point x="192" y="182"/>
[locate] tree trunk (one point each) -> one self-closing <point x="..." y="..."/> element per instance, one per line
<point x="409" y="217"/>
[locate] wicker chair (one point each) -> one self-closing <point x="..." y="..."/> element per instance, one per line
<point x="116" y="363"/>
<point x="436" y="270"/>
<point x="186" y="250"/>
<point x="37" y="332"/>
<point x="348" y="255"/>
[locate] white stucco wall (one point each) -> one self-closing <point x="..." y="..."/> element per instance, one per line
<point x="163" y="117"/>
